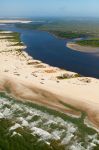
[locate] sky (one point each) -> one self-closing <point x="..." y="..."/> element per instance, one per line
<point x="40" y="8"/>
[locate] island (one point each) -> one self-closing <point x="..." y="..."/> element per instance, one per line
<point x="85" y="45"/>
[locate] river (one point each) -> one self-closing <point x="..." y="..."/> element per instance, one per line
<point x="46" y="47"/>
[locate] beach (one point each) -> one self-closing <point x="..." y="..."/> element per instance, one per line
<point x="77" y="47"/>
<point x="14" y="21"/>
<point x="25" y="78"/>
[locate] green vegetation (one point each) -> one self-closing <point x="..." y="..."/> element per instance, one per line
<point x="58" y="33"/>
<point x="54" y="112"/>
<point x="22" y="138"/>
<point x="68" y="76"/>
<point x="89" y="42"/>
<point x="67" y="35"/>
<point x="61" y="34"/>
<point x="25" y="142"/>
<point x="66" y="28"/>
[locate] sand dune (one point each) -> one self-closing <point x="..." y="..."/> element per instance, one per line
<point x="27" y="79"/>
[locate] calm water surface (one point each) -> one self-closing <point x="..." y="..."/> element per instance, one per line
<point x="49" y="49"/>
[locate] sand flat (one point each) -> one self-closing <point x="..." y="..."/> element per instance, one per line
<point x="14" y="21"/>
<point x="30" y="79"/>
<point x="77" y="47"/>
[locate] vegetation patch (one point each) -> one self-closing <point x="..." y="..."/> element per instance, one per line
<point x="68" y="35"/>
<point x="90" y="42"/>
<point x="68" y="76"/>
<point x="27" y="126"/>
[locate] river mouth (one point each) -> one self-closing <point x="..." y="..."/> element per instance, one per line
<point x="53" y="51"/>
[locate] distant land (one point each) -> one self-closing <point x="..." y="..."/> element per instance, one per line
<point x="14" y="21"/>
<point x="84" y="30"/>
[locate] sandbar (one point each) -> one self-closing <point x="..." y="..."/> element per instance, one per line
<point x="77" y="47"/>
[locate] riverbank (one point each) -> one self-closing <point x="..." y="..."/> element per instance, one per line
<point x="28" y="79"/>
<point x="77" y="47"/>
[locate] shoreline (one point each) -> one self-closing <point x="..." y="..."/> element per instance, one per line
<point x="30" y="79"/>
<point x="77" y="47"/>
<point x="14" y="21"/>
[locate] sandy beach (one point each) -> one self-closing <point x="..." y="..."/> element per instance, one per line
<point x="25" y="78"/>
<point x="80" y="48"/>
<point x="14" y="21"/>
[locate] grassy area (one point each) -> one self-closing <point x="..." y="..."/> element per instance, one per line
<point x="67" y="35"/>
<point x="89" y="42"/>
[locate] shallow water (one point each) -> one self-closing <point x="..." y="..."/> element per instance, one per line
<point x="49" y="49"/>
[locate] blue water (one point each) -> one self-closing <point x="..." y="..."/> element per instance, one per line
<point x="49" y="49"/>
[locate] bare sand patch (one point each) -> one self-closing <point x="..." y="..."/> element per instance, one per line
<point x="78" y="47"/>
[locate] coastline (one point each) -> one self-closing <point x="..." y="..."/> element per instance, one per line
<point x="14" y="21"/>
<point x="80" y="48"/>
<point x="29" y="79"/>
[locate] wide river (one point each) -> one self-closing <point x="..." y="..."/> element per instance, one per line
<point x="51" y="50"/>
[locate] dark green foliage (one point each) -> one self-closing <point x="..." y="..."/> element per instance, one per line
<point x="25" y="140"/>
<point x="68" y="35"/>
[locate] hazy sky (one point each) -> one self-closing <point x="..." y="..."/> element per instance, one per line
<point x="19" y="8"/>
